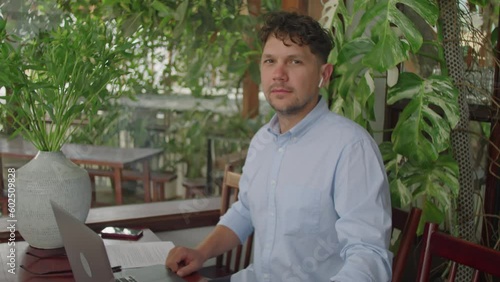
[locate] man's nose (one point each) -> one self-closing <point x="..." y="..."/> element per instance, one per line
<point x="279" y="72"/>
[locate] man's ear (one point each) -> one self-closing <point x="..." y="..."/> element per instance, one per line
<point x="326" y="71"/>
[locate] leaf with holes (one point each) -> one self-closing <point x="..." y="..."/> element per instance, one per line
<point x="437" y="180"/>
<point x="329" y="10"/>
<point x="392" y="32"/>
<point x="400" y="194"/>
<point x="423" y="128"/>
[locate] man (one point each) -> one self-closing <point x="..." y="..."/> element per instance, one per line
<point x="313" y="187"/>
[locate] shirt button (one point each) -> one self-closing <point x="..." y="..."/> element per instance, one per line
<point x="266" y="276"/>
<point x="280" y="150"/>
<point x="273" y="183"/>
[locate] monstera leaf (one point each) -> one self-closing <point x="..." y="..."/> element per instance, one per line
<point x="437" y="179"/>
<point x="364" y="48"/>
<point x="401" y="195"/>
<point x="434" y="184"/>
<point x="423" y="128"/>
<point x="394" y="34"/>
<point x="354" y="83"/>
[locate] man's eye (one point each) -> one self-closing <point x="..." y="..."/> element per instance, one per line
<point x="296" y="62"/>
<point x="268" y="61"/>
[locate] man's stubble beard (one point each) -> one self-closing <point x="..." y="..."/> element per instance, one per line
<point x="294" y="108"/>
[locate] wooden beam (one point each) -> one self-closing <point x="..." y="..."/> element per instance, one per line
<point x="250" y="107"/>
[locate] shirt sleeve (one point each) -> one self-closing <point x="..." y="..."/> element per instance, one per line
<point x="362" y="200"/>
<point x="237" y="218"/>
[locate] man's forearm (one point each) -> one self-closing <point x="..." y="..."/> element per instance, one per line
<point x="220" y="240"/>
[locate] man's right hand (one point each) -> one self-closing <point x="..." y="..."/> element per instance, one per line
<point x="184" y="261"/>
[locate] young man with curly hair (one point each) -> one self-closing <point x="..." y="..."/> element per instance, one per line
<point x="313" y="189"/>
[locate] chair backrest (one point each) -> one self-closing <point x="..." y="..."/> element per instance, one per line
<point x="459" y="251"/>
<point x="222" y="150"/>
<point x="407" y="224"/>
<point x="230" y="189"/>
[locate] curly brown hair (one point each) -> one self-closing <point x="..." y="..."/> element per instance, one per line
<point x="300" y="29"/>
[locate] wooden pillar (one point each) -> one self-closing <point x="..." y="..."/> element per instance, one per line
<point x="250" y="107"/>
<point x="314" y="9"/>
<point x="299" y="6"/>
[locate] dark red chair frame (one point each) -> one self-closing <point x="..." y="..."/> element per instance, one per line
<point x="407" y="223"/>
<point x="459" y="251"/>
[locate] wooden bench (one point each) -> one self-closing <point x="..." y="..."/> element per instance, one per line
<point x="158" y="179"/>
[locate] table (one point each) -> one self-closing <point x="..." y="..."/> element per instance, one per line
<point x="54" y="263"/>
<point x="115" y="158"/>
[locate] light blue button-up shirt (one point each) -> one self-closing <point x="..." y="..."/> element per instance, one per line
<point x="318" y="200"/>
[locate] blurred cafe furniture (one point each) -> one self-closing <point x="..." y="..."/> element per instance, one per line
<point x="221" y="151"/>
<point x="113" y="158"/>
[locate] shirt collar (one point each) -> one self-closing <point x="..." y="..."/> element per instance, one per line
<point x="300" y="128"/>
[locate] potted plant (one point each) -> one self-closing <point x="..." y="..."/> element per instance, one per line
<point x="53" y="81"/>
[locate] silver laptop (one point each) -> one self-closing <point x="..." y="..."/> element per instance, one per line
<point x="88" y="258"/>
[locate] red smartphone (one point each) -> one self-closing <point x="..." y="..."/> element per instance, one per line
<point x="121" y="233"/>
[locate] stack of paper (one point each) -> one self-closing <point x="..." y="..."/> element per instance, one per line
<point x="138" y="254"/>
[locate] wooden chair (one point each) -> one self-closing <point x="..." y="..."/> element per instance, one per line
<point x="407" y="223"/>
<point x="459" y="251"/>
<point x="226" y="264"/>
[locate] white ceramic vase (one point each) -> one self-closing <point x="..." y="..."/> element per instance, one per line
<point x="49" y="176"/>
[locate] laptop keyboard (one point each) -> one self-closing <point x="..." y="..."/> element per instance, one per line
<point x="126" y="279"/>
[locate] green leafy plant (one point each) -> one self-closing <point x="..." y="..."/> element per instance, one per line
<point x="418" y="160"/>
<point x="207" y="47"/>
<point x="60" y="78"/>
